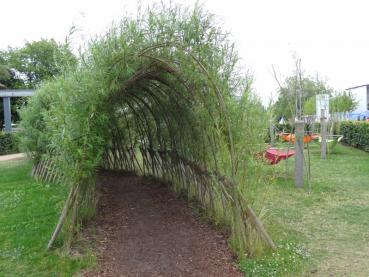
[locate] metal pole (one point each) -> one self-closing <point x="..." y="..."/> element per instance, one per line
<point x="299" y="153"/>
<point x="7" y="114"/>
<point x="323" y="135"/>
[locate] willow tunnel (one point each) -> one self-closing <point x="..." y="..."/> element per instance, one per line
<point x="162" y="97"/>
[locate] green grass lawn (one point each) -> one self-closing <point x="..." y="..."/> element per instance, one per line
<point x="321" y="233"/>
<point x="28" y="213"/>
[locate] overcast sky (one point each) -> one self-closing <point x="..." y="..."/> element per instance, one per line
<point x="330" y="37"/>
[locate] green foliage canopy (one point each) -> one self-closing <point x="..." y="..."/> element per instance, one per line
<point x="310" y="106"/>
<point x="28" y="66"/>
<point x="285" y="105"/>
<point x="35" y="62"/>
<point x="342" y="102"/>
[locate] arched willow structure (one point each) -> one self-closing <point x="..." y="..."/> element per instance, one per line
<point x="162" y="96"/>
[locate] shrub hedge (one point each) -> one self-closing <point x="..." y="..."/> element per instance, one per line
<point x="8" y="143"/>
<point x="356" y="133"/>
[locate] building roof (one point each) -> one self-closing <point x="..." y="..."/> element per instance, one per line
<point x="358" y="87"/>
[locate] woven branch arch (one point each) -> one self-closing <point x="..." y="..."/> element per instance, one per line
<point x="166" y="105"/>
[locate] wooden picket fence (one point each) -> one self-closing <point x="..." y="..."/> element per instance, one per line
<point x="46" y="170"/>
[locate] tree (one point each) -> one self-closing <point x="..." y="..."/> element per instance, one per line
<point x="286" y="103"/>
<point x="4" y="71"/>
<point x="28" y="66"/>
<point x="8" y="78"/>
<point x="310" y="106"/>
<point x="342" y="102"/>
<point x="37" y="61"/>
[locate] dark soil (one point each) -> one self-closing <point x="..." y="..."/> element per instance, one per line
<point x="143" y="229"/>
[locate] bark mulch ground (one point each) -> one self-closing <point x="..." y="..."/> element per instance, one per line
<point x="143" y="229"/>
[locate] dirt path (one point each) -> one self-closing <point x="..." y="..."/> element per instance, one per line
<point x="142" y="229"/>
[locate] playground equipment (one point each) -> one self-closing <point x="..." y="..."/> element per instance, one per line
<point x="288" y="137"/>
<point x="331" y="141"/>
<point x="275" y="155"/>
<point x="298" y="139"/>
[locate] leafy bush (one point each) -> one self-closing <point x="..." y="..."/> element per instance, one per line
<point x="8" y="143"/>
<point x="356" y="133"/>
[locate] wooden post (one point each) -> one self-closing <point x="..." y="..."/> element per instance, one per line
<point x="323" y="135"/>
<point x="7" y="115"/>
<point x="271" y="132"/>
<point x="299" y="153"/>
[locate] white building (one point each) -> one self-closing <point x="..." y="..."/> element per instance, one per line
<point x="361" y="96"/>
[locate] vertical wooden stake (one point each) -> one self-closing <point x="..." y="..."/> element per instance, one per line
<point x="323" y="136"/>
<point x="299" y="153"/>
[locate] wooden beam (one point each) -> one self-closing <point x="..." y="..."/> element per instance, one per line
<point x="16" y="92"/>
